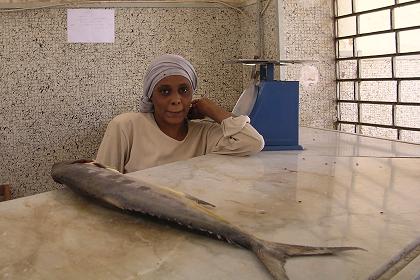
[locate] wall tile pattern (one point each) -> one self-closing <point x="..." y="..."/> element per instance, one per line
<point x="57" y="98"/>
<point x="309" y="34"/>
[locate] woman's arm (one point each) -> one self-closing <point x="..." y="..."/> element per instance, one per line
<point x="204" y="107"/>
<point x="234" y="135"/>
<point x="238" y="138"/>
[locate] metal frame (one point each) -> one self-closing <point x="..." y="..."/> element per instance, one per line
<point x="355" y="57"/>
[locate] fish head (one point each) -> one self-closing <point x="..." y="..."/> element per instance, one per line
<point x="58" y="170"/>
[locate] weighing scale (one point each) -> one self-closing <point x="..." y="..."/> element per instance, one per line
<point x="275" y="113"/>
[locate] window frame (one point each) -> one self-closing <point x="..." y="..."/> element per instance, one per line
<point x="358" y="80"/>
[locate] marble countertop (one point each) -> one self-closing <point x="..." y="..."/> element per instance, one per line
<point x="342" y="190"/>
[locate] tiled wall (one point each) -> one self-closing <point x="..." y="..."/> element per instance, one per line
<point x="269" y="44"/>
<point x="57" y="98"/>
<point x="408" y="91"/>
<point x="307" y="33"/>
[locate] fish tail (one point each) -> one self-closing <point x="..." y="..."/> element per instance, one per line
<point x="274" y="255"/>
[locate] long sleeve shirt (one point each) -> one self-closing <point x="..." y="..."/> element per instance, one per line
<point x="133" y="141"/>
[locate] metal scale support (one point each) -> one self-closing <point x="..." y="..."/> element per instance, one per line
<point x="275" y="114"/>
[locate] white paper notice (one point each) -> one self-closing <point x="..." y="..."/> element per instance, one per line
<point x="90" y="26"/>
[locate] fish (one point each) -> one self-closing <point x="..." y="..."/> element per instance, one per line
<point x="114" y="189"/>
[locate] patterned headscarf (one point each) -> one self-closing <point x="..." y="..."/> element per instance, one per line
<point x="163" y="66"/>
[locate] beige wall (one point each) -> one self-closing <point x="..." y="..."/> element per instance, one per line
<point x="57" y="98"/>
<point x="306" y="32"/>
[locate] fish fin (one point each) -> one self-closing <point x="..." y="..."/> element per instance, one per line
<point x="273" y="263"/>
<point x="274" y="255"/>
<point x="190" y="197"/>
<point x="82" y="161"/>
<point x="100" y="165"/>
<point x="300" y="250"/>
<point x="90" y="161"/>
<point x="199" y="201"/>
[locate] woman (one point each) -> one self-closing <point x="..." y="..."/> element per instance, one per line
<point x="163" y="131"/>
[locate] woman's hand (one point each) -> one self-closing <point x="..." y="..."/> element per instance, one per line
<point x="201" y="108"/>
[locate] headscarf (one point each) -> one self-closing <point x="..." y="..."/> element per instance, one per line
<point x="163" y="66"/>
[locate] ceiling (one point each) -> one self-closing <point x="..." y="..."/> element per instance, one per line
<point x="121" y="3"/>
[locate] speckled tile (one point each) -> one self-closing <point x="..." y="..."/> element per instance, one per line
<point x="308" y="34"/>
<point x="270" y="48"/>
<point x="57" y="98"/>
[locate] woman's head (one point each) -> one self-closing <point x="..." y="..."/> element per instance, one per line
<point x="171" y="99"/>
<point x="169" y="84"/>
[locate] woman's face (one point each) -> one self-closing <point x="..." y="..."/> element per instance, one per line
<point x="171" y="99"/>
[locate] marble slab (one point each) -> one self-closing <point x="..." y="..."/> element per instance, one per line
<point x="343" y="189"/>
<point x="342" y="144"/>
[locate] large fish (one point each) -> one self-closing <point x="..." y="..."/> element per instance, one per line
<point x="110" y="186"/>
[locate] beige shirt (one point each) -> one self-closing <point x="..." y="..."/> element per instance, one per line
<point x="133" y="141"/>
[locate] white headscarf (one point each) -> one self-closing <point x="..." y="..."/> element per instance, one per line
<point x="163" y="66"/>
